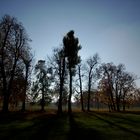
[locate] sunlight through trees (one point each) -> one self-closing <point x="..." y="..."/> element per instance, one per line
<point x="63" y="79"/>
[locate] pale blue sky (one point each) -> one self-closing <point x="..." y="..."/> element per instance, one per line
<point x="108" y="27"/>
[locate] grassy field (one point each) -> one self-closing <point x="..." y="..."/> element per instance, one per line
<point x="80" y="125"/>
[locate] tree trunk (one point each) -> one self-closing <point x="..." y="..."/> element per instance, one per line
<point x="89" y="90"/>
<point x="82" y="103"/>
<point x="118" y="104"/>
<point x="123" y="106"/>
<point x="42" y="100"/>
<point x="124" y="102"/>
<point x="81" y="92"/>
<point x="24" y="96"/>
<point x="5" y="102"/>
<point x="25" y="88"/>
<point x="62" y="73"/>
<point x="5" y="96"/>
<point x="70" y="94"/>
<point x="60" y="104"/>
<point x="60" y="99"/>
<point x="8" y="90"/>
<point x="23" y="105"/>
<point x="88" y="106"/>
<point x="112" y="101"/>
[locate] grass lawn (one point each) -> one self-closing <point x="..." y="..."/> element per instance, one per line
<point x="80" y="125"/>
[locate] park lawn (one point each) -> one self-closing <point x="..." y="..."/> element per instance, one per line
<point x="108" y="126"/>
<point x="80" y="125"/>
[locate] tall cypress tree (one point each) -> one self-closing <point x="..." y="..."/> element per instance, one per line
<point x="71" y="48"/>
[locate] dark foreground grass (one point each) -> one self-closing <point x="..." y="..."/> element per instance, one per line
<point x="78" y="126"/>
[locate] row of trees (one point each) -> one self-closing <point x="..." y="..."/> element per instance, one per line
<point x="65" y="75"/>
<point x="116" y="86"/>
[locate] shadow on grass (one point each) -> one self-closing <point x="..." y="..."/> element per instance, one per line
<point x="28" y="126"/>
<point x="43" y="126"/>
<point x="49" y="126"/>
<point x="110" y="122"/>
<point x="78" y="132"/>
<point x="126" y="116"/>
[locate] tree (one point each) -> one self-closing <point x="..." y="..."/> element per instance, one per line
<point x="58" y="63"/>
<point x="80" y="86"/>
<point x="17" y="88"/>
<point x="116" y="84"/>
<point x="71" y="48"/>
<point x="43" y="81"/>
<point x="13" y="39"/>
<point x="27" y="59"/>
<point x="127" y="87"/>
<point x="91" y="65"/>
<point x="106" y="83"/>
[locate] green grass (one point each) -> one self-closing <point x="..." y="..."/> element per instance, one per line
<point x="110" y="126"/>
<point x="80" y="125"/>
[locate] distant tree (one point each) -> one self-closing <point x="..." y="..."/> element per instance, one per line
<point x="13" y="40"/>
<point x="127" y="87"/>
<point x="106" y="83"/>
<point x="71" y="48"/>
<point x="117" y="85"/>
<point x="42" y="83"/>
<point x="106" y="95"/>
<point x="92" y="63"/>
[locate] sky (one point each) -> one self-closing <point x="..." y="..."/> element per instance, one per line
<point x="110" y="28"/>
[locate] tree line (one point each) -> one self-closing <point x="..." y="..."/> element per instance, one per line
<point x="61" y="77"/>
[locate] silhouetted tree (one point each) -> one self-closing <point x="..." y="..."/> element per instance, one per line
<point x="17" y="88"/>
<point x="27" y="59"/>
<point x="13" y="40"/>
<point x="62" y="74"/>
<point x="71" y="48"/>
<point x="80" y="86"/>
<point x="58" y="64"/>
<point x="91" y="67"/>
<point x="43" y="81"/>
<point x="127" y="87"/>
<point x="106" y="83"/>
<point x="116" y="84"/>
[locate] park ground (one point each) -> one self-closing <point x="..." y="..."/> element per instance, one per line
<point x="94" y="125"/>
